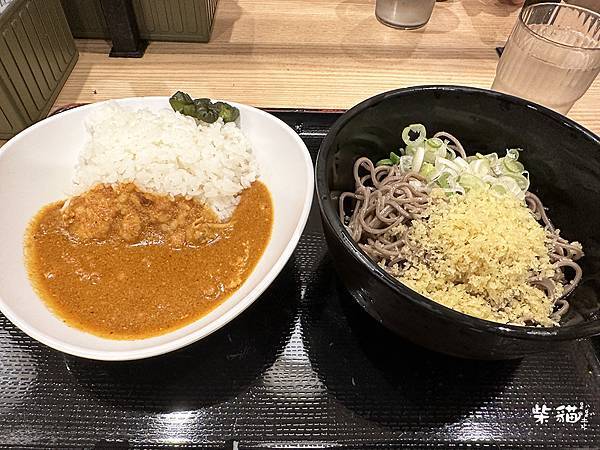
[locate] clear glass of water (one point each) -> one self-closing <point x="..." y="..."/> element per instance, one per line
<point x="404" y="14"/>
<point x="552" y="56"/>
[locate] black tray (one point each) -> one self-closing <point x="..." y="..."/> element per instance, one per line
<point x="304" y="366"/>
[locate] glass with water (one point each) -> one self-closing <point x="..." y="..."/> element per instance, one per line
<point x="404" y="14"/>
<point x="552" y="56"/>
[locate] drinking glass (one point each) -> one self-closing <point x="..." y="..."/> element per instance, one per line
<point x="404" y="14"/>
<point x="552" y="55"/>
<point x="594" y="5"/>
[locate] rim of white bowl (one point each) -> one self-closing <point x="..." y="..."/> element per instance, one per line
<point x="219" y="322"/>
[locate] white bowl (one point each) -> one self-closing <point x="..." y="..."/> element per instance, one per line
<point x="36" y="168"/>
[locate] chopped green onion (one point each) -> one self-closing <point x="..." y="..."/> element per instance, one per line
<point x="513" y="153"/>
<point x="491" y="157"/>
<point x="384" y="162"/>
<point x="430" y="156"/>
<point x="512" y="165"/>
<point x="442" y="167"/>
<point x="511" y="185"/>
<point x="480" y="167"/>
<point x="418" y="159"/>
<point x="464" y="165"/>
<point x="394" y="158"/>
<point x="498" y="188"/>
<point x="410" y="150"/>
<point x="451" y="165"/>
<point x="471" y="182"/>
<point x="414" y="128"/>
<point x="442" y="181"/>
<point x="434" y="147"/>
<point x="406" y="163"/>
<point x="427" y="169"/>
<point x="434" y="142"/>
<point x="521" y="181"/>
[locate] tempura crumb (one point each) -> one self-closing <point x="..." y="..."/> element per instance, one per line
<point x="476" y="253"/>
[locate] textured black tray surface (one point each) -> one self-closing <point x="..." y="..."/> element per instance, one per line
<point x="304" y="366"/>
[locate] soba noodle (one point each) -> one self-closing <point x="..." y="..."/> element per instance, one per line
<point x="385" y="197"/>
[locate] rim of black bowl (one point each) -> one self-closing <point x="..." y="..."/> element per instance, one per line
<point x="330" y="214"/>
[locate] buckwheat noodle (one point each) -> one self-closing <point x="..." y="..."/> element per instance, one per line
<point x="385" y="197"/>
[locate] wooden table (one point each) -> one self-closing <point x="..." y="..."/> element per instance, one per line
<point x="311" y="53"/>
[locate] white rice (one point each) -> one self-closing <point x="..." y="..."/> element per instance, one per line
<point x="167" y="153"/>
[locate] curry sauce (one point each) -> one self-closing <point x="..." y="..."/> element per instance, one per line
<point x="124" y="264"/>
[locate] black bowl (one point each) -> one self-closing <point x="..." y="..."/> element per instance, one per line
<point x="564" y="162"/>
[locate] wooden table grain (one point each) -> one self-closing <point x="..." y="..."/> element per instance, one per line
<point x="311" y="54"/>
